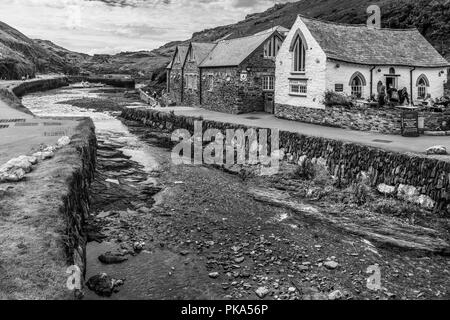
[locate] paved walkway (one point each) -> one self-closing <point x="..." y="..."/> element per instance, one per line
<point x="22" y="133"/>
<point x="389" y="142"/>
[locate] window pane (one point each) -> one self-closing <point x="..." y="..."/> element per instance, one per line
<point x="303" y="57"/>
<point x="296" y="68"/>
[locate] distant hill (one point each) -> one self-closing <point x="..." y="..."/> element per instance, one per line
<point x="21" y="56"/>
<point x="431" y="17"/>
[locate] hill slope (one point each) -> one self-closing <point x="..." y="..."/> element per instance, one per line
<point x="21" y="56"/>
<point x="431" y="17"/>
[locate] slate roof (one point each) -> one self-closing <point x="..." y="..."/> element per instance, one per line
<point x="362" y="45"/>
<point x="282" y="30"/>
<point x="201" y="50"/>
<point x="183" y="51"/>
<point x="233" y="52"/>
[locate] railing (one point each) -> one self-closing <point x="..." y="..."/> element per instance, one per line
<point x="148" y="99"/>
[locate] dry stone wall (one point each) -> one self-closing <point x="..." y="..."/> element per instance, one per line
<point x="358" y="118"/>
<point x="39" y="85"/>
<point x="345" y="160"/>
<point x="75" y="206"/>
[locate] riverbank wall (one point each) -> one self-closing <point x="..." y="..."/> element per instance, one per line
<point x="417" y="177"/>
<point x="38" y="85"/>
<point x="115" y="82"/>
<point x="76" y="203"/>
<point x="56" y="195"/>
<point x="13" y="91"/>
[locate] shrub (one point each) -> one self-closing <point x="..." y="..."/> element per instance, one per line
<point x="305" y="170"/>
<point x="396" y="208"/>
<point x="337" y="99"/>
<point x="317" y="173"/>
<point x="361" y="190"/>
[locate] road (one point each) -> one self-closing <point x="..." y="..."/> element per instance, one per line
<point x="394" y="143"/>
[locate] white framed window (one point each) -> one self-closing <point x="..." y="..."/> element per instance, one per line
<point x="298" y="87"/>
<point x="422" y="87"/>
<point x="299" y="64"/>
<point x="357" y="84"/>
<point x="268" y="83"/>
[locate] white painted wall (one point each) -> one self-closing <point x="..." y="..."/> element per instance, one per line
<point x="343" y="74"/>
<point x="315" y="71"/>
<point x="322" y="74"/>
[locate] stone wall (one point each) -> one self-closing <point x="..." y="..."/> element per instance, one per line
<point x="434" y="120"/>
<point x="176" y="86"/>
<point x="39" y="85"/>
<point x="115" y="82"/>
<point x="357" y="118"/>
<point x="191" y="96"/>
<point x="230" y="94"/>
<point x="75" y="207"/>
<point x="428" y="176"/>
<point x="363" y="119"/>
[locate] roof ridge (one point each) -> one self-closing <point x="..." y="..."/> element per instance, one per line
<point x="359" y="25"/>
<point x="251" y="36"/>
<point x="201" y="42"/>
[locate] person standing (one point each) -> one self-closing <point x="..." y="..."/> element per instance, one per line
<point x="381" y="94"/>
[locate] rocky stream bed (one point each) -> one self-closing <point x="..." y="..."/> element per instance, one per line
<point x="160" y="231"/>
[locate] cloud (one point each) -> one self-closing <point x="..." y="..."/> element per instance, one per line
<point x="110" y="26"/>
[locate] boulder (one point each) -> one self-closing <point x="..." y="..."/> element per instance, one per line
<point x="43" y="155"/>
<point x="104" y="285"/>
<point x="63" y="141"/>
<point x="112" y="258"/>
<point x="261" y="292"/>
<point x="12" y="175"/>
<point x="335" y="295"/>
<point x="438" y="150"/>
<point x="331" y="265"/>
<point x="426" y="202"/>
<point x="386" y="189"/>
<point x="408" y="193"/>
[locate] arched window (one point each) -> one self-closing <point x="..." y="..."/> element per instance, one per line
<point x="299" y="55"/>
<point x="422" y="84"/>
<point x="391" y="70"/>
<point x="357" y="83"/>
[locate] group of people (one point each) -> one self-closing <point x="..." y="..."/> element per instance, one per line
<point x="392" y="96"/>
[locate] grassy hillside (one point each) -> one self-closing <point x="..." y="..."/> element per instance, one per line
<point x="21" y="56"/>
<point x="431" y="17"/>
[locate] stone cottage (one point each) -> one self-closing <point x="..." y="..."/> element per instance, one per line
<point x="175" y="76"/>
<point x="319" y="56"/>
<point x="196" y="53"/>
<point x="238" y="75"/>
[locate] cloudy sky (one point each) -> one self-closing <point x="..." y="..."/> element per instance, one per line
<point x="111" y="26"/>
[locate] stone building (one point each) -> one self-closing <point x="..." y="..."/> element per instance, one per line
<point x="196" y="53"/>
<point x="237" y="76"/>
<point x="319" y="56"/>
<point x="175" y="76"/>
